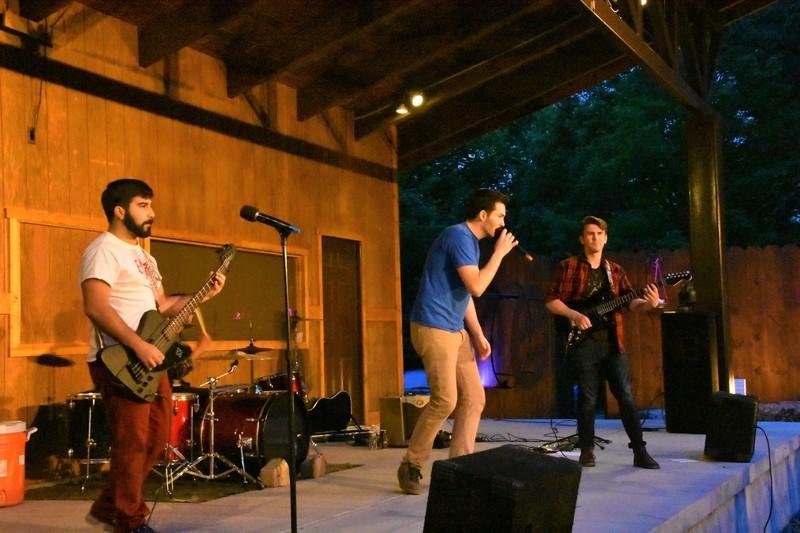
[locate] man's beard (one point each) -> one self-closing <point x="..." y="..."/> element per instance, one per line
<point x="137" y="229"/>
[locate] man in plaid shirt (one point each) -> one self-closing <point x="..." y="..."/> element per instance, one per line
<point x="590" y="277"/>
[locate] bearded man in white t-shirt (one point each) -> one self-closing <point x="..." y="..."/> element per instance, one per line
<point x="120" y="281"/>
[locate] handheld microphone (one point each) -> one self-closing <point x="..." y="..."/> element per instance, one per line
<point x="252" y="214"/>
<point x="519" y="248"/>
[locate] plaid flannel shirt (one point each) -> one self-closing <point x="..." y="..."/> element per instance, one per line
<point x="568" y="284"/>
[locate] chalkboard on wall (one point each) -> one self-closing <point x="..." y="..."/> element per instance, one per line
<point x="251" y="304"/>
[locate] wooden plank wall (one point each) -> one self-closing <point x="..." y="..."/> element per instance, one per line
<point x="763" y="297"/>
<point x="50" y="193"/>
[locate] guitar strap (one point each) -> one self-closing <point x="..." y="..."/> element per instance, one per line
<point x="98" y="338"/>
<point x="607" y="267"/>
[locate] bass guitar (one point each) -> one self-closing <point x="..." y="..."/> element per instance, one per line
<point x="597" y="312"/>
<point x="162" y="332"/>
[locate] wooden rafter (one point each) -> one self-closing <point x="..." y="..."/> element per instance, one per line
<point x="664" y="24"/>
<point x="701" y="37"/>
<point x="37" y="10"/>
<point x="510" y="113"/>
<point x="663" y="73"/>
<point x="543" y="44"/>
<point x="733" y="11"/>
<point x="334" y="40"/>
<point x="484" y="102"/>
<point x="450" y="44"/>
<point x="166" y="34"/>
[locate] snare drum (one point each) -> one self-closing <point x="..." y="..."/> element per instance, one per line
<point x="260" y="422"/>
<point x="88" y="434"/>
<point x="238" y="388"/>
<point x="181" y="430"/>
<point x="278" y="383"/>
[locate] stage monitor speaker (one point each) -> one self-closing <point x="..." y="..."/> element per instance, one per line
<point x="399" y="415"/>
<point x="689" y="348"/>
<point x="731" y="432"/>
<point x="510" y="488"/>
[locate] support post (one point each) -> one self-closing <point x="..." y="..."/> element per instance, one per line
<point x="706" y="235"/>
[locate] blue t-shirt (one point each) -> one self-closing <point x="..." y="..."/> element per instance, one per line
<point x="442" y="297"/>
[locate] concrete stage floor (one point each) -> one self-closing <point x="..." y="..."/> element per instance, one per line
<point x="688" y="493"/>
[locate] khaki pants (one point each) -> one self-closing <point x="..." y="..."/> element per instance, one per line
<point x="455" y="388"/>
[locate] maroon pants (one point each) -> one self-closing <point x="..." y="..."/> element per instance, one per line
<point x="139" y="433"/>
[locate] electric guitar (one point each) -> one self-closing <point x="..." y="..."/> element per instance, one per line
<point x="597" y="312"/>
<point x="329" y="415"/>
<point x="162" y="332"/>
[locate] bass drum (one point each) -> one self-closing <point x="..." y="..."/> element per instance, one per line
<point x="261" y="423"/>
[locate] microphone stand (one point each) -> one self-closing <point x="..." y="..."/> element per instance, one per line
<point x="284" y="229"/>
<point x="290" y="384"/>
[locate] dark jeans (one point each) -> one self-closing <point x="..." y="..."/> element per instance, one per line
<point x="590" y="363"/>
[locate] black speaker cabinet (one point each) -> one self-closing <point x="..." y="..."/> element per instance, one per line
<point x="689" y="347"/>
<point x="399" y="415"/>
<point x="511" y="488"/>
<point x="731" y="434"/>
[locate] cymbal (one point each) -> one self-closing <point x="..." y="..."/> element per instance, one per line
<point x="227" y="355"/>
<point x="252" y="349"/>
<point x="53" y="360"/>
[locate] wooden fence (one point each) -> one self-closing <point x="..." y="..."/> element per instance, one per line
<point x="763" y="298"/>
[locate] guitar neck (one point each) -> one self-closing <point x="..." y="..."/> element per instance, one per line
<point x="606" y="307"/>
<point x="177" y="322"/>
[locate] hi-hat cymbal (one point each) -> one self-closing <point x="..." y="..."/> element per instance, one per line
<point x="252" y="349"/>
<point x="228" y="355"/>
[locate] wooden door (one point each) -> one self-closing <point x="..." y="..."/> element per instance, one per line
<point x="341" y="282"/>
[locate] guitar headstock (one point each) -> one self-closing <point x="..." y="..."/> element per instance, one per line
<point x="675" y="278"/>
<point x="226" y="254"/>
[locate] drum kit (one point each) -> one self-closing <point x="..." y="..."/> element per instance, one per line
<point x="215" y="430"/>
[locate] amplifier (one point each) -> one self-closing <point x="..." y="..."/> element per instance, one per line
<point x="399" y="415"/>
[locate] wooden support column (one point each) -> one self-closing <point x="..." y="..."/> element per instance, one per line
<point x="706" y="236"/>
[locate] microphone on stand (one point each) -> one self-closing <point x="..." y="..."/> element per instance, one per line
<point x="252" y="214"/>
<point x="519" y="248"/>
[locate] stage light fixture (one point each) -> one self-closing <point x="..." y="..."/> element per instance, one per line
<point x="417" y="99"/>
<point x="401" y="109"/>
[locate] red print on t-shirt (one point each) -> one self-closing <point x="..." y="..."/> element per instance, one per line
<point x="147" y="266"/>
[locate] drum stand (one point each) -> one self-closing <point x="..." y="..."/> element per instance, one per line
<point x="190" y="468"/>
<point x="90" y="443"/>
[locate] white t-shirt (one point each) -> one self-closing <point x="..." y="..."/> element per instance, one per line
<point x="131" y="273"/>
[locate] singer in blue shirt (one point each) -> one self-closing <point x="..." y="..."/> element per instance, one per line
<point x="446" y="334"/>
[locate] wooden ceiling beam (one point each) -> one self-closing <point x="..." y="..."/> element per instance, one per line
<point x="514" y="111"/>
<point x="658" y="68"/>
<point x="348" y="27"/>
<point x="733" y="11"/>
<point x="495" y="98"/>
<point x="37" y="10"/>
<point x="166" y="34"/>
<point x="460" y="41"/>
<point x="480" y="47"/>
<point x="544" y="43"/>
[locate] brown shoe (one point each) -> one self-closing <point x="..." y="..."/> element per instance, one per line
<point x="587" y="457"/>
<point x="409" y="476"/>
<point x="642" y="459"/>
